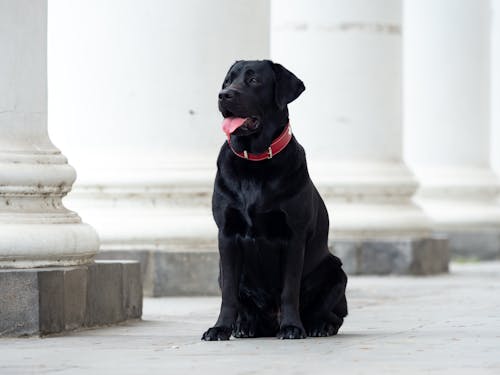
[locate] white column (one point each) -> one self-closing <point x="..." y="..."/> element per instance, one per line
<point x="348" y="53"/>
<point x="447" y="136"/>
<point x="133" y="98"/>
<point x="35" y="228"/>
<point x="495" y="86"/>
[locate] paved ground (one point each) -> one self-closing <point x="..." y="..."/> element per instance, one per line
<point x="396" y="325"/>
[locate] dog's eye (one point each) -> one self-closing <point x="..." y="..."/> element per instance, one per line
<point x="252" y="80"/>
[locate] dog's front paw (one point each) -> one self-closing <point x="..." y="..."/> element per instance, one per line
<point x="291" y="332"/>
<point x="217" y="334"/>
<point x="244" y="329"/>
<point x="322" y="330"/>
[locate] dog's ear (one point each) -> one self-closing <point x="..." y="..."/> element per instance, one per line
<point x="288" y="86"/>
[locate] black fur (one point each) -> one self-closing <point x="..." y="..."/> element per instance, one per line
<point x="277" y="275"/>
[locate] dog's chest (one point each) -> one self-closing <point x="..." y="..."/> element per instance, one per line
<point x="256" y="214"/>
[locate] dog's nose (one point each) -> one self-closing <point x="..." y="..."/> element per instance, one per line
<point x="226" y="94"/>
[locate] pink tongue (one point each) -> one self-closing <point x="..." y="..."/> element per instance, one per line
<point x="230" y="124"/>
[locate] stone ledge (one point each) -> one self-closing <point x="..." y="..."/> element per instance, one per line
<point x="474" y="245"/>
<point x="45" y="301"/>
<point x="196" y="273"/>
<point x="174" y="273"/>
<point x="422" y="256"/>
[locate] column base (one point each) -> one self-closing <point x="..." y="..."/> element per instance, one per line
<point x="44" y="301"/>
<point x="474" y="244"/>
<point x="412" y="256"/>
<point x="463" y="205"/>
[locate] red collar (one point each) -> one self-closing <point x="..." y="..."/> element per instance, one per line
<point x="276" y="147"/>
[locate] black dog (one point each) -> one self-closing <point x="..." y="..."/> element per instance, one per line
<point x="277" y="275"/>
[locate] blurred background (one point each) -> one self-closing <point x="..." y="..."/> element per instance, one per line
<point x="400" y="121"/>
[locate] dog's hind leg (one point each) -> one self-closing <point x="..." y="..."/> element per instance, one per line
<point x="325" y="321"/>
<point x="323" y="302"/>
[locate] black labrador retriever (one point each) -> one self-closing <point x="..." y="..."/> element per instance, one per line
<point x="277" y="275"/>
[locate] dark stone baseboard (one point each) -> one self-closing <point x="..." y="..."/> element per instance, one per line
<point x="43" y="301"/>
<point x="425" y="256"/>
<point x="196" y="273"/>
<point x="474" y="245"/>
<point x="174" y="273"/>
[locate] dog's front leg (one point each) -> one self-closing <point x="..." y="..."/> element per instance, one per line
<point x="290" y="324"/>
<point x="230" y="268"/>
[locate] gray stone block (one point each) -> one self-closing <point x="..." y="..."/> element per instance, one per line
<point x="385" y="257"/>
<point x="132" y="289"/>
<point x="442" y="254"/>
<point x="75" y="297"/>
<point x="173" y="274"/>
<point x="348" y="252"/>
<point x="431" y="256"/>
<point x="141" y="256"/>
<point x="19" y="308"/>
<point x="104" y="293"/>
<point x="51" y="300"/>
<point x="399" y="256"/>
<point x="476" y="245"/>
<point x="144" y="257"/>
<point x="186" y="274"/>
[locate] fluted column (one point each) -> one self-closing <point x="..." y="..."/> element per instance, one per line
<point x="447" y="118"/>
<point x="133" y="99"/>
<point x="495" y="87"/>
<point x="348" y="53"/>
<point x="35" y="228"/>
<point x="59" y="287"/>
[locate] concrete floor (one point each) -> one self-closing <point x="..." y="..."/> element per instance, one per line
<point x="396" y="325"/>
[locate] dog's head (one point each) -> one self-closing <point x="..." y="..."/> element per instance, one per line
<point x="254" y="99"/>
